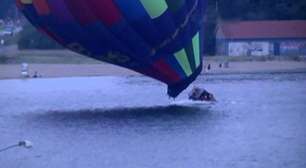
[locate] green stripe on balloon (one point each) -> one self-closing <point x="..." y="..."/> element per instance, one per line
<point x="155" y="8"/>
<point x="196" y="49"/>
<point x="181" y="57"/>
<point x="190" y="55"/>
<point x="175" y="5"/>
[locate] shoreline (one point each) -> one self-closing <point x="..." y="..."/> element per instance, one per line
<point x="13" y="71"/>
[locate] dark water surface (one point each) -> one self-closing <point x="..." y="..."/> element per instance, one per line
<point x="259" y="121"/>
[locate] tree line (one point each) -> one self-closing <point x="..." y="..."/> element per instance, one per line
<point x="261" y="9"/>
<point x="225" y="10"/>
<point x="7" y="9"/>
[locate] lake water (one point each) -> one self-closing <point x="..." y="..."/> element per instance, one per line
<point x="115" y="122"/>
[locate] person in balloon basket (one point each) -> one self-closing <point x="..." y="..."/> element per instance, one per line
<point x="199" y="94"/>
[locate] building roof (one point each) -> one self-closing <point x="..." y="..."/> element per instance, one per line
<point x="262" y="30"/>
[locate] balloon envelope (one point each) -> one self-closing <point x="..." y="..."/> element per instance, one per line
<point x="158" y="38"/>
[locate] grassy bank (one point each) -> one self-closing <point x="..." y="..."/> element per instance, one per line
<point x="11" y="55"/>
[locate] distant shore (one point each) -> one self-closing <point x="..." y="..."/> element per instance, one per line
<point x="63" y="63"/>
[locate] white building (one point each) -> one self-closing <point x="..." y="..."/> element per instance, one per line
<point x="261" y="38"/>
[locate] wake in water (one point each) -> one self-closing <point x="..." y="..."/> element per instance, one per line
<point x="190" y="103"/>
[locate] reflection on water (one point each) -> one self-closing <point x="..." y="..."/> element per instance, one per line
<point x="115" y="118"/>
<point x="126" y="113"/>
<point x="259" y="121"/>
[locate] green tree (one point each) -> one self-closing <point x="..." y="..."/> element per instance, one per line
<point x="6" y="8"/>
<point x="262" y="9"/>
<point x="30" y="38"/>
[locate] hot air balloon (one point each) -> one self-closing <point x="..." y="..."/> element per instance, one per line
<point x="161" y="39"/>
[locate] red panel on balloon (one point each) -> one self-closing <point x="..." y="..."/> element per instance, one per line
<point x="42" y="7"/>
<point x="105" y="10"/>
<point x="81" y="11"/>
<point x="165" y="69"/>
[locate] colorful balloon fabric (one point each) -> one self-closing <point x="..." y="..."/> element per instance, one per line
<point x="158" y="38"/>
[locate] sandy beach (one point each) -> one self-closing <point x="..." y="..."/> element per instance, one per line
<point x="13" y="71"/>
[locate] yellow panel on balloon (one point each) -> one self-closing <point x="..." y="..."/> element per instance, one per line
<point x="27" y="1"/>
